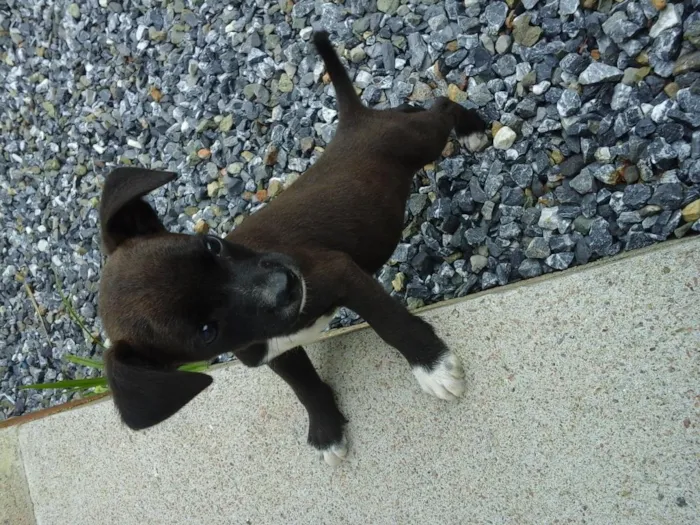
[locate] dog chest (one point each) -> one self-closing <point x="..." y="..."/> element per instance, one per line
<point x="305" y="336"/>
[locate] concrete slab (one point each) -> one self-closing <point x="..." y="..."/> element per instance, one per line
<point x="583" y="406"/>
<point x="15" y="503"/>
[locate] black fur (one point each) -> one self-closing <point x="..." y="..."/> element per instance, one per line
<point x="161" y="294"/>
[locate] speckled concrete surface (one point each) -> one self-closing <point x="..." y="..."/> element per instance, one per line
<point x="583" y="407"/>
<point x="15" y="503"/>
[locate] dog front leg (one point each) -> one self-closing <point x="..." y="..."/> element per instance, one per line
<point x="326" y="422"/>
<point x="438" y="370"/>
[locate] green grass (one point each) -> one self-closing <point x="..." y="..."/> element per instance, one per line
<point x="93" y="385"/>
<point x="68" y="305"/>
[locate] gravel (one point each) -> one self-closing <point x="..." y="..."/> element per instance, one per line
<point x="596" y="116"/>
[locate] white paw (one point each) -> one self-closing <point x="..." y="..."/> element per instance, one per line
<point x="474" y="141"/>
<point x="335" y="454"/>
<point x="445" y="380"/>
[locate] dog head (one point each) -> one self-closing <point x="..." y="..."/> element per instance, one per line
<point x="168" y="299"/>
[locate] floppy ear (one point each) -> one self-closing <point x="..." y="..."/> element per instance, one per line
<point x="144" y="394"/>
<point x="122" y="212"/>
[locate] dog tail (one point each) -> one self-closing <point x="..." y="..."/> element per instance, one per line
<point x="348" y="101"/>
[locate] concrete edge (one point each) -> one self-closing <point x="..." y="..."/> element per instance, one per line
<point x="71" y="405"/>
<point x="536" y="280"/>
<point x="16" y="504"/>
<point x="45" y="412"/>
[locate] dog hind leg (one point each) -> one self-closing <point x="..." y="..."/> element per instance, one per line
<point x="431" y="129"/>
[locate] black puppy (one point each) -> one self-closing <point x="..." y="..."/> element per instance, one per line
<point x="274" y="283"/>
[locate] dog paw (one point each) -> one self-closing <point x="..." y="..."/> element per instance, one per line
<point x="335" y="454"/>
<point x="326" y="432"/>
<point x="474" y="142"/>
<point x="445" y="380"/>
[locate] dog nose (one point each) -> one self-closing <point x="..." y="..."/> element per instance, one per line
<point x="280" y="285"/>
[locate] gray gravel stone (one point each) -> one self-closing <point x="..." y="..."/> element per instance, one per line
<point x="572" y="167"/>
<point x="599" y="239"/>
<point x="560" y="261"/>
<point x="488" y="280"/>
<point x="619" y="28"/>
<point x="598" y="72"/>
<point x="568" y="7"/>
<point x="530" y="268"/>
<point x="549" y="218"/>
<point x="574" y="63"/>
<point x="505" y="65"/>
<point x="509" y="231"/>
<point x="661" y="154"/>
<point x="667" y="19"/>
<point x="645" y="127"/>
<point x="605" y="173"/>
<point x="636" y="195"/>
<point x="668" y="196"/>
<point x="561" y="243"/>
<point x="538" y="248"/>
<point x="524" y="33"/>
<point x="475" y="236"/>
<point x="495" y="16"/>
<point x="478" y="263"/>
<point x="569" y="103"/>
<point x="522" y="175"/>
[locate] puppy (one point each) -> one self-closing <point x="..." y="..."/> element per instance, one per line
<point x="273" y="284"/>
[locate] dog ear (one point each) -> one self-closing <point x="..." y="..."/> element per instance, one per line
<point x="144" y="394"/>
<point x="123" y="214"/>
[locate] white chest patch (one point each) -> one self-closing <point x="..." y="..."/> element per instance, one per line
<point x="280" y="345"/>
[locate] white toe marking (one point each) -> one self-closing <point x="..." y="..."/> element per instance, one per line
<point x="445" y="380"/>
<point x="305" y="336"/>
<point x="474" y="141"/>
<point x="335" y="454"/>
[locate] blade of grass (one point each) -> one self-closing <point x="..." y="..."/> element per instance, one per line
<point x="99" y="384"/>
<point x="93" y="392"/>
<point x="90" y="391"/>
<point x="30" y="293"/>
<point x="84" y="361"/>
<point x="199" y="366"/>
<point x="71" y="311"/>
<point x="70" y="383"/>
<point x="79" y="389"/>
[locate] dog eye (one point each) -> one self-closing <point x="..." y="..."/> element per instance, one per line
<point x="208" y="332"/>
<point x="214" y="245"/>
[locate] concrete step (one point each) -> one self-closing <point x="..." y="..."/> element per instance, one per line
<point x="583" y="406"/>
